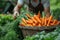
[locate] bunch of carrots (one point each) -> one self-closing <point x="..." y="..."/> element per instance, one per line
<point x="39" y="21"/>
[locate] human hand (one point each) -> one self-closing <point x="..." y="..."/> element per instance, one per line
<point x="15" y="14"/>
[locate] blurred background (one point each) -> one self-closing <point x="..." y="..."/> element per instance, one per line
<point x="7" y="6"/>
<point x="55" y="8"/>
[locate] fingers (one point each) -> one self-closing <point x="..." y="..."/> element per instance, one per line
<point x="15" y="14"/>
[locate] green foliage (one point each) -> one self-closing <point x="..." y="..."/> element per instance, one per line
<point x="55" y="8"/>
<point x="11" y="35"/>
<point x="5" y="19"/>
<point x="11" y="31"/>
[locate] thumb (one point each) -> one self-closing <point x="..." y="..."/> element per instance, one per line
<point x="17" y="14"/>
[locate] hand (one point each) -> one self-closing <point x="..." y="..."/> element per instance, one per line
<point x="15" y="14"/>
<point x="48" y="15"/>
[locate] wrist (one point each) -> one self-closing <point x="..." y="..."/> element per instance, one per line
<point x="15" y="11"/>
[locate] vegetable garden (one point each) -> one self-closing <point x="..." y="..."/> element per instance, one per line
<point x="10" y="27"/>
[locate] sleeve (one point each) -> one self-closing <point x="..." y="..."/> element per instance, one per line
<point x="20" y="2"/>
<point x="46" y="3"/>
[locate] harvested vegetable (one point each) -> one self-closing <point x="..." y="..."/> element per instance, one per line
<point x="28" y="15"/>
<point x="23" y="20"/>
<point x="50" y="18"/>
<point x="22" y="24"/>
<point x="39" y="15"/>
<point x="37" y="20"/>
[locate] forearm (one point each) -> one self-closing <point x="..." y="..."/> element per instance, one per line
<point x="47" y="11"/>
<point x="17" y="8"/>
<point x="46" y="5"/>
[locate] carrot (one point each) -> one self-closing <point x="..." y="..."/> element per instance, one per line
<point x="39" y="25"/>
<point x="28" y="15"/>
<point x="48" y="25"/>
<point x="51" y="23"/>
<point x="29" y="25"/>
<point x="50" y="18"/>
<point x="45" y="23"/>
<point x="39" y="14"/>
<point x="57" y="23"/>
<point x="35" y="21"/>
<point x="22" y="24"/>
<point x="23" y="20"/>
<point x="28" y="22"/>
<point x="43" y="20"/>
<point x="34" y="24"/>
<point x="54" y="22"/>
<point x="35" y="16"/>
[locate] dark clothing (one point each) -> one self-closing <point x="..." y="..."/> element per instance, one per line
<point x="36" y="9"/>
<point x="9" y="7"/>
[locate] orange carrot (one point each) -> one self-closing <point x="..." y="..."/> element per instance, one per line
<point x="22" y="24"/>
<point x="51" y="23"/>
<point x="34" y="20"/>
<point x="48" y="25"/>
<point x="39" y="25"/>
<point x="50" y="18"/>
<point x="39" y="14"/>
<point x="23" y="20"/>
<point x="57" y="23"/>
<point x="43" y="20"/>
<point x="45" y="23"/>
<point x="28" y="22"/>
<point x="28" y="15"/>
<point x="54" y="22"/>
<point x="35" y="16"/>
<point x="31" y="20"/>
<point x="34" y="24"/>
<point x="29" y="25"/>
